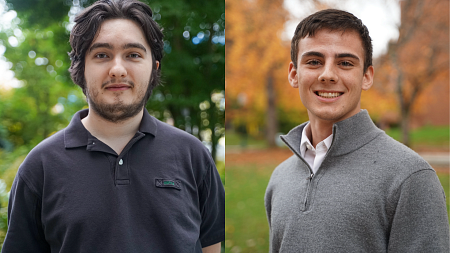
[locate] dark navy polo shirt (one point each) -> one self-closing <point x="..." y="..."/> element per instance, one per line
<point x="73" y="193"/>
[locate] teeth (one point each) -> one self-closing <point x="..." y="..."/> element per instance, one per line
<point x="329" y="94"/>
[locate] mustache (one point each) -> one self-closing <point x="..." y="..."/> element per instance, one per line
<point x="115" y="81"/>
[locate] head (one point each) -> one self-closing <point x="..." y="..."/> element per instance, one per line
<point x="332" y="20"/>
<point x="331" y="65"/>
<point x="87" y="27"/>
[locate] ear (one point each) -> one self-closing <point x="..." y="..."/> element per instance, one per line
<point x="292" y="75"/>
<point x="157" y="64"/>
<point x="368" y="78"/>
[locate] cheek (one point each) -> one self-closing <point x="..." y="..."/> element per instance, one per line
<point x="305" y="82"/>
<point x="352" y="82"/>
<point x="90" y="72"/>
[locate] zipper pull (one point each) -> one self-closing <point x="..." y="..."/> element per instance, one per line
<point x="310" y="177"/>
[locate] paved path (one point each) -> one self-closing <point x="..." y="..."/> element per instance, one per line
<point x="239" y="155"/>
<point x="438" y="159"/>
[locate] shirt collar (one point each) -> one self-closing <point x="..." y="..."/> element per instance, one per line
<point x="76" y="135"/>
<point x="305" y="139"/>
<point x="149" y="124"/>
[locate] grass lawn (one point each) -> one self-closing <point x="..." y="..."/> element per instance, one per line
<point x="246" y="222"/>
<point x="234" y="139"/>
<point x="425" y="136"/>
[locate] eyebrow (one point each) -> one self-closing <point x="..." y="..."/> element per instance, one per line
<point x="134" y="45"/>
<point x="100" y="45"/>
<point x="347" y="55"/>
<point x="313" y="53"/>
<point x="319" y="54"/>
<point x="109" y="46"/>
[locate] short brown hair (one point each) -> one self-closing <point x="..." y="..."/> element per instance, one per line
<point x="89" y="22"/>
<point x="334" y="20"/>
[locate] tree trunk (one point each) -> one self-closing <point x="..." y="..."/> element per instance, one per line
<point x="271" y="117"/>
<point x="213" y="120"/>
<point x="405" y="111"/>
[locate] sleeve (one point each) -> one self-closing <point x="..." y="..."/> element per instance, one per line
<point x="420" y="222"/>
<point x="212" y="208"/>
<point x="25" y="232"/>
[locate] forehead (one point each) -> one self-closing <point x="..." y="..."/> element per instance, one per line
<point x="332" y="42"/>
<point x="119" y="32"/>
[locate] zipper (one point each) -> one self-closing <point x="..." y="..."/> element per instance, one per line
<point x="308" y="191"/>
<point x="311" y="176"/>
<point x="311" y="173"/>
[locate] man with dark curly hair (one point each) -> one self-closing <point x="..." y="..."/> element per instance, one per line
<point x="116" y="179"/>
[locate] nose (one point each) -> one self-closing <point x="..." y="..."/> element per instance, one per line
<point x="328" y="74"/>
<point x="118" y="69"/>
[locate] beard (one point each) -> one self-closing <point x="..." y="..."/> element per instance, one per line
<point x="118" y="111"/>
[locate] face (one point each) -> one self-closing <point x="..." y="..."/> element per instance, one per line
<point x="330" y="75"/>
<point x="118" y="70"/>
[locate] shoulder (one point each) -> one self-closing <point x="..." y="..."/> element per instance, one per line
<point x="32" y="170"/>
<point x="177" y="145"/>
<point x="50" y="145"/>
<point x="177" y="138"/>
<point x="398" y="155"/>
<point x="394" y="163"/>
<point x="173" y="133"/>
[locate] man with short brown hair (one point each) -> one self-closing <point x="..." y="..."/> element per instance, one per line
<point x="348" y="187"/>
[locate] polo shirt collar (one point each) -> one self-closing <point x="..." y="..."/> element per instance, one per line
<point x="149" y="124"/>
<point x="76" y="135"/>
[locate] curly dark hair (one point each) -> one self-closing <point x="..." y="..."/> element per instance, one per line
<point x="88" y="23"/>
<point x="334" y="20"/>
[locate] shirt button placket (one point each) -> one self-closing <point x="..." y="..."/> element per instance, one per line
<point x="122" y="176"/>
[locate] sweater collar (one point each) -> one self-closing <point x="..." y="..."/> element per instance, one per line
<point x="348" y="135"/>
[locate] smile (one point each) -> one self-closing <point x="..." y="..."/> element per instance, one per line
<point x="328" y="94"/>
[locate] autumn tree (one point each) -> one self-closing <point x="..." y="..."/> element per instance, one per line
<point x="257" y="60"/>
<point x="420" y="56"/>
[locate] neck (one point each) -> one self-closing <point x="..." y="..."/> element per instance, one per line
<point x="320" y="130"/>
<point x="114" y="134"/>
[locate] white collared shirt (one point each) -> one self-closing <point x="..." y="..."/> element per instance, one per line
<point x="314" y="156"/>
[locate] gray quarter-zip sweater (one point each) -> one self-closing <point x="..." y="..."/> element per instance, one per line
<point x="371" y="194"/>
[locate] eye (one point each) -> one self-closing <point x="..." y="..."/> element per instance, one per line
<point x="101" y="55"/>
<point x="313" y="62"/>
<point x="346" y="64"/>
<point x="134" y="55"/>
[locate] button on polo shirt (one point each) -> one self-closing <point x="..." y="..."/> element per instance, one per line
<point x="157" y="194"/>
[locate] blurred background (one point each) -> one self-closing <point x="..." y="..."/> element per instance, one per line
<point x="409" y="98"/>
<point x="38" y="98"/>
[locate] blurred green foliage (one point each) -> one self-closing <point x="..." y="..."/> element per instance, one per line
<point x="193" y="75"/>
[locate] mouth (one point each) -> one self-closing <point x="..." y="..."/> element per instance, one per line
<point x="117" y="87"/>
<point x="328" y="94"/>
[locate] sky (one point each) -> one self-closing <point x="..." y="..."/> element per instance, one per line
<point x="6" y="75"/>
<point x="380" y="16"/>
